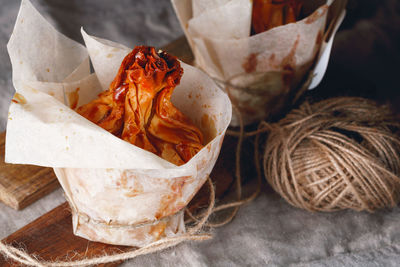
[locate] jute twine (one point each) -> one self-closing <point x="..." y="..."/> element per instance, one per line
<point x="341" y="153"/>
<point x="199" y="232"/>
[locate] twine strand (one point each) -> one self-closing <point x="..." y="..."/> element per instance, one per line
<point x="192" y="234"/>
<point x="340" y="153"/>
<point x="262" y="128"/>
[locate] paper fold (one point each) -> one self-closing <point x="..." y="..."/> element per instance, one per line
<point x="118" y="193"/>
<point x="263" y="72"/>
<point x="48" y="108"/>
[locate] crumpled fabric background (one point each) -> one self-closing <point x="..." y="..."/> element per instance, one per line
<point x="365" y="61"/>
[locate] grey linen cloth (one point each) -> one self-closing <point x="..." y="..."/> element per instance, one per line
<point x="268" y="231"/>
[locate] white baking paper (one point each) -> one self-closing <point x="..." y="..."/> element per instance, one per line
<point x="261" y="73"/>
<point x="118" y="193"/>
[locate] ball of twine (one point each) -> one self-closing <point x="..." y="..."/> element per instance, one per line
<point x="340" y="153"/>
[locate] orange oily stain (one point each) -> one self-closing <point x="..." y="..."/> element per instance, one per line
<point x="208" y="148"/>
<point x="135" y="191"/>
<point x="167" y="201"/>
<point x="131" y="191"/>
<point x="178" y="185"/>
<point x="289" y="63"/>
<point x="169" y="204"/>
<point x="73" y="98"/>
<point x="158" y="230"/>
<point x="318" y="41"/>
<point x="123" y="181"/>
<point x="290" y="59"/>
<point x="271" y="58"/>
<point x="208" y="128"/>
<point x="19" y="99"/>
<point x="201" y="165"/>
<point x="250" y="64"/>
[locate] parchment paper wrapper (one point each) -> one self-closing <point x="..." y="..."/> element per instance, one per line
<point x="264" y="72"/>
<point x="118" y="193"/>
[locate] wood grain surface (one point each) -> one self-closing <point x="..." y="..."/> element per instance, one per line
<point x="50" y="237"/>
<point x="21" y="185"/>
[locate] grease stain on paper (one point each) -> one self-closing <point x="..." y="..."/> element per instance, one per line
<point x="19" y="99"/>
<point x="289" y="63"/>
<point x="73" y="98"/>
<point x="318" y="41"/>
<point x="158" y="230"/>
<point x="208" y="128"/>
<point x="172" y="201"/>
<point x="250" y="64"/>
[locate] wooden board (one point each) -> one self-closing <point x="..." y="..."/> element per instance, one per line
<point x="51" y="238"/>
<point x="21" y="185"/>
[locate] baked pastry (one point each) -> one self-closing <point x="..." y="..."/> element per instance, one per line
<point x="137" y="107"/>
<point x="268" y="14"/>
